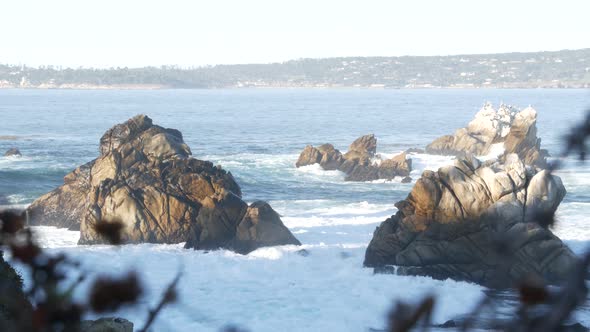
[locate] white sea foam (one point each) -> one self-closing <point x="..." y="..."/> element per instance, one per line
<point x="422" y="162"/>
<point x="17" y="199"/>
<point x="316" y="170"/>
<point x="496" y="150"/>
<point x="53" y="237"/>
<point x="315" y="221"/>
<point x="325" y="291"/>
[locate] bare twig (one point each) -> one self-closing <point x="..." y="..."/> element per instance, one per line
<point x="168" y="296"/>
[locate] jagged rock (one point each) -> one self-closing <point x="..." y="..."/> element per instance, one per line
<point x="261" y="226"/>
<point x="325" y="155"/>
<point x="13" y="152"/>
<point x="146" y="179"/>
<point x="475" y="222"/>
<point x="363" y="148"/>
<point x="399" y="165"/>
<point x="515" y="129"/>
<point x="357" y="163"/>
<point x="303" y="252"/>
<point x="66" y="206"/>
<point x="107" y="324"/>
<point x="407" y="179"/>
<point x="415" y="150"/>
<point x="387" y="169"/>
<point x="359" y="154"/>
<point x="522" y="139"/>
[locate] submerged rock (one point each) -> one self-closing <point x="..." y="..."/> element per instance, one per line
<point x="357" y="163"/>
<point x="475" y="222"/>
<point x="146" y="179"/>
<point x="109" y="324"/>
<point x="515" y="130"/>
<point x="13" y="152"/>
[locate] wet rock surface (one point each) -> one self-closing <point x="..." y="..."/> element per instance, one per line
<point x="146" y="179"/>
<point x="475" y="222"/>
<point x="514" y="129"/>
<point x="358" y="163"/>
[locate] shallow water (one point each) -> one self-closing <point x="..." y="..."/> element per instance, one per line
<point x="257" y="135"/>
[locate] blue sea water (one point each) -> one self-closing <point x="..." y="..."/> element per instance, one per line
<point x="257" y="134"/>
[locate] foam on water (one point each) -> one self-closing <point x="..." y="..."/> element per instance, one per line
<point x="270" y="289"/>
<point x="258" y="135"/>
<point x="496" y="150"/>
<point x="315" y="171"/>
<point x="422" y="162"/>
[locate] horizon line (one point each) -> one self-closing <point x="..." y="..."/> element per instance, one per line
<point x="192" y="67"/>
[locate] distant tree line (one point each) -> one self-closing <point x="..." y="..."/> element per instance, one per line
<point x="569" y="68"/>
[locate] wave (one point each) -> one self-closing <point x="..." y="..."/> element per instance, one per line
<point x="278" y="280"/>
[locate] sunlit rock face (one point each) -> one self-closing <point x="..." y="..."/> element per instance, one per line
<point x="146" y="179"/>
<point x="359" y="162"/>
<point x="515" y="130"/>
<point x="477" y="222"/>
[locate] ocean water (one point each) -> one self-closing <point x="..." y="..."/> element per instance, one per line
<point x="257" y="135"/>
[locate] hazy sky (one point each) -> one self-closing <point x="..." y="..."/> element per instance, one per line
<point x="104" y="33"/>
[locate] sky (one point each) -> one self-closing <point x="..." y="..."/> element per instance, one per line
<point x="135" y="33"/>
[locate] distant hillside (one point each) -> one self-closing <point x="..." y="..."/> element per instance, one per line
<point x="560" y="69"/>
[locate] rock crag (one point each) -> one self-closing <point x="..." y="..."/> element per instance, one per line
<point x="514" y="130"/>
<point x="476" y="222"/>
<point x="146" y="179"/>
<point x="13" y="152"/>
<point x="358" y="163"/>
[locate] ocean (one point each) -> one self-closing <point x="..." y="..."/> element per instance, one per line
<point x="257" y="134"/>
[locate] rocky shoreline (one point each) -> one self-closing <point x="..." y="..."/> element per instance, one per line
<point x="447" y="227"/>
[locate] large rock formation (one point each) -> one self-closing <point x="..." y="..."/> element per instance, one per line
<point x="258" y="225"/>
<point x="475" y="222"/>
<point x="358" y="163"/>
<point x="146" y="179"/>
<point x="515" y="130"/>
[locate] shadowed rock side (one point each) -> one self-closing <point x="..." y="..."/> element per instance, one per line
<point x="357" y="163"/>
<point x="257" y="225"/>
<point x="17" y="314"/>
<point x="145" y="178"/>
<point x="475" y="222"/>
<point x="515" y="130"/>
<point x="15" y="309"/>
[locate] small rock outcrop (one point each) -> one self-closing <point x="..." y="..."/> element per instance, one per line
<point x="358" y="163"/>
<point x="476" y="222"/>
<point x="326" y="155"/>
<point x="13" y="152"/>
<point x="146" y="179"/>
<point x="259" y="226"/>
<point x="515" y="130"/>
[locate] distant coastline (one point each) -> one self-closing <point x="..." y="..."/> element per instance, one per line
<point x="558" y="69"/>
<point x="164" y="87"/>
